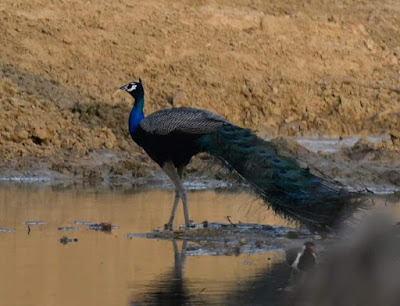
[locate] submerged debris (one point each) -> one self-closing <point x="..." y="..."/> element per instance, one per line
<point x="104" y="227"/>
<point x="228" y="238"/>
<point x="65" y="240"/>
<point x="34" y="223"/>
<point x="68" y="229"/>
<point x="83" y="223"/>
<point x="6" y="230"/>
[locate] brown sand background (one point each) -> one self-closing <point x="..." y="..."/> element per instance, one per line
<point x="282" y="68"/>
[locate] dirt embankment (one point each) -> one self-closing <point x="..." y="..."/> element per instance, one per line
<point x="281" y="67"/>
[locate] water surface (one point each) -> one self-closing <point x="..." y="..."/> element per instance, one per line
<point x="110" y="269"/>
<point x="103" y="268"/>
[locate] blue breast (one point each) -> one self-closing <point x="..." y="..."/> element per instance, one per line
<point x="134" y="119"/>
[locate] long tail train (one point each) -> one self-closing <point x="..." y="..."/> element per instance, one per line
<point x="291" y="191"/>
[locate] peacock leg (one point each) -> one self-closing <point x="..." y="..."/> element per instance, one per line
<point x="184" y="198"/>
<point x="185" y="209"/>
<point x="175" y="175"/>
<point x="169" y="225"/>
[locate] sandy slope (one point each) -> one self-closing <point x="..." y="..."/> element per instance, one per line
<point x="282" y="67"/>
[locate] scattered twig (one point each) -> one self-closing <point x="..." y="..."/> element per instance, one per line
<point x="229" y="220"/>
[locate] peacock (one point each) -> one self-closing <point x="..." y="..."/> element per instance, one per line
<point x="172" y="136"/>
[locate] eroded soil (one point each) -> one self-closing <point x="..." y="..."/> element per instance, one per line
<point x="283" y="68"/>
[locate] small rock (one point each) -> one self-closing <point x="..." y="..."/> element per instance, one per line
<point x="267" y="227"/>
<point x="258" y="244"/>
<point x="292" y="235"/>
<point x="67" y="41"/>
<point x="242" y="241"/>
<point x="192" y="247"/>
<point x="393" y="60"/>
<point x="331" y="19"/>
<point x="369" y="43"/>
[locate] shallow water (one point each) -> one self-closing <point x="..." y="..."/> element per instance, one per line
<point x="108" y="268"/>
<point x="103" y="268"/>
<point x="332" y="145"/>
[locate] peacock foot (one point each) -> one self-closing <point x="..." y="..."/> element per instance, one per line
<point x="168" y="227"/>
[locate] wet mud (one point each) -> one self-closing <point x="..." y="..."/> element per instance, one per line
<point x="232" y="239"/>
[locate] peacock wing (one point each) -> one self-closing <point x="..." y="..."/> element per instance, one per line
<point x="182" y="120"/>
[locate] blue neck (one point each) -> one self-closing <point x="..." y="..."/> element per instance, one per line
<point x="136" y="115"/>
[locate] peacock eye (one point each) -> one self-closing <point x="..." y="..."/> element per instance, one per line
<point x="132" y="87"/>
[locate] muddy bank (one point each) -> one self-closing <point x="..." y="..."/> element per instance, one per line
<point x="81" y="155"/>
<point x="278" y="67"/>
<point x="90" y="142"/>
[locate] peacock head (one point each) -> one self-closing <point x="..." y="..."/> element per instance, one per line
<point x="135" y="89"/>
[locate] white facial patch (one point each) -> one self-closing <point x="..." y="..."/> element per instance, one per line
<point x="132" y="87"/>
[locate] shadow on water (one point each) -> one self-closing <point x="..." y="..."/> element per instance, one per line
<point x="267" y="286"/>
<point x="171" y="287"/>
